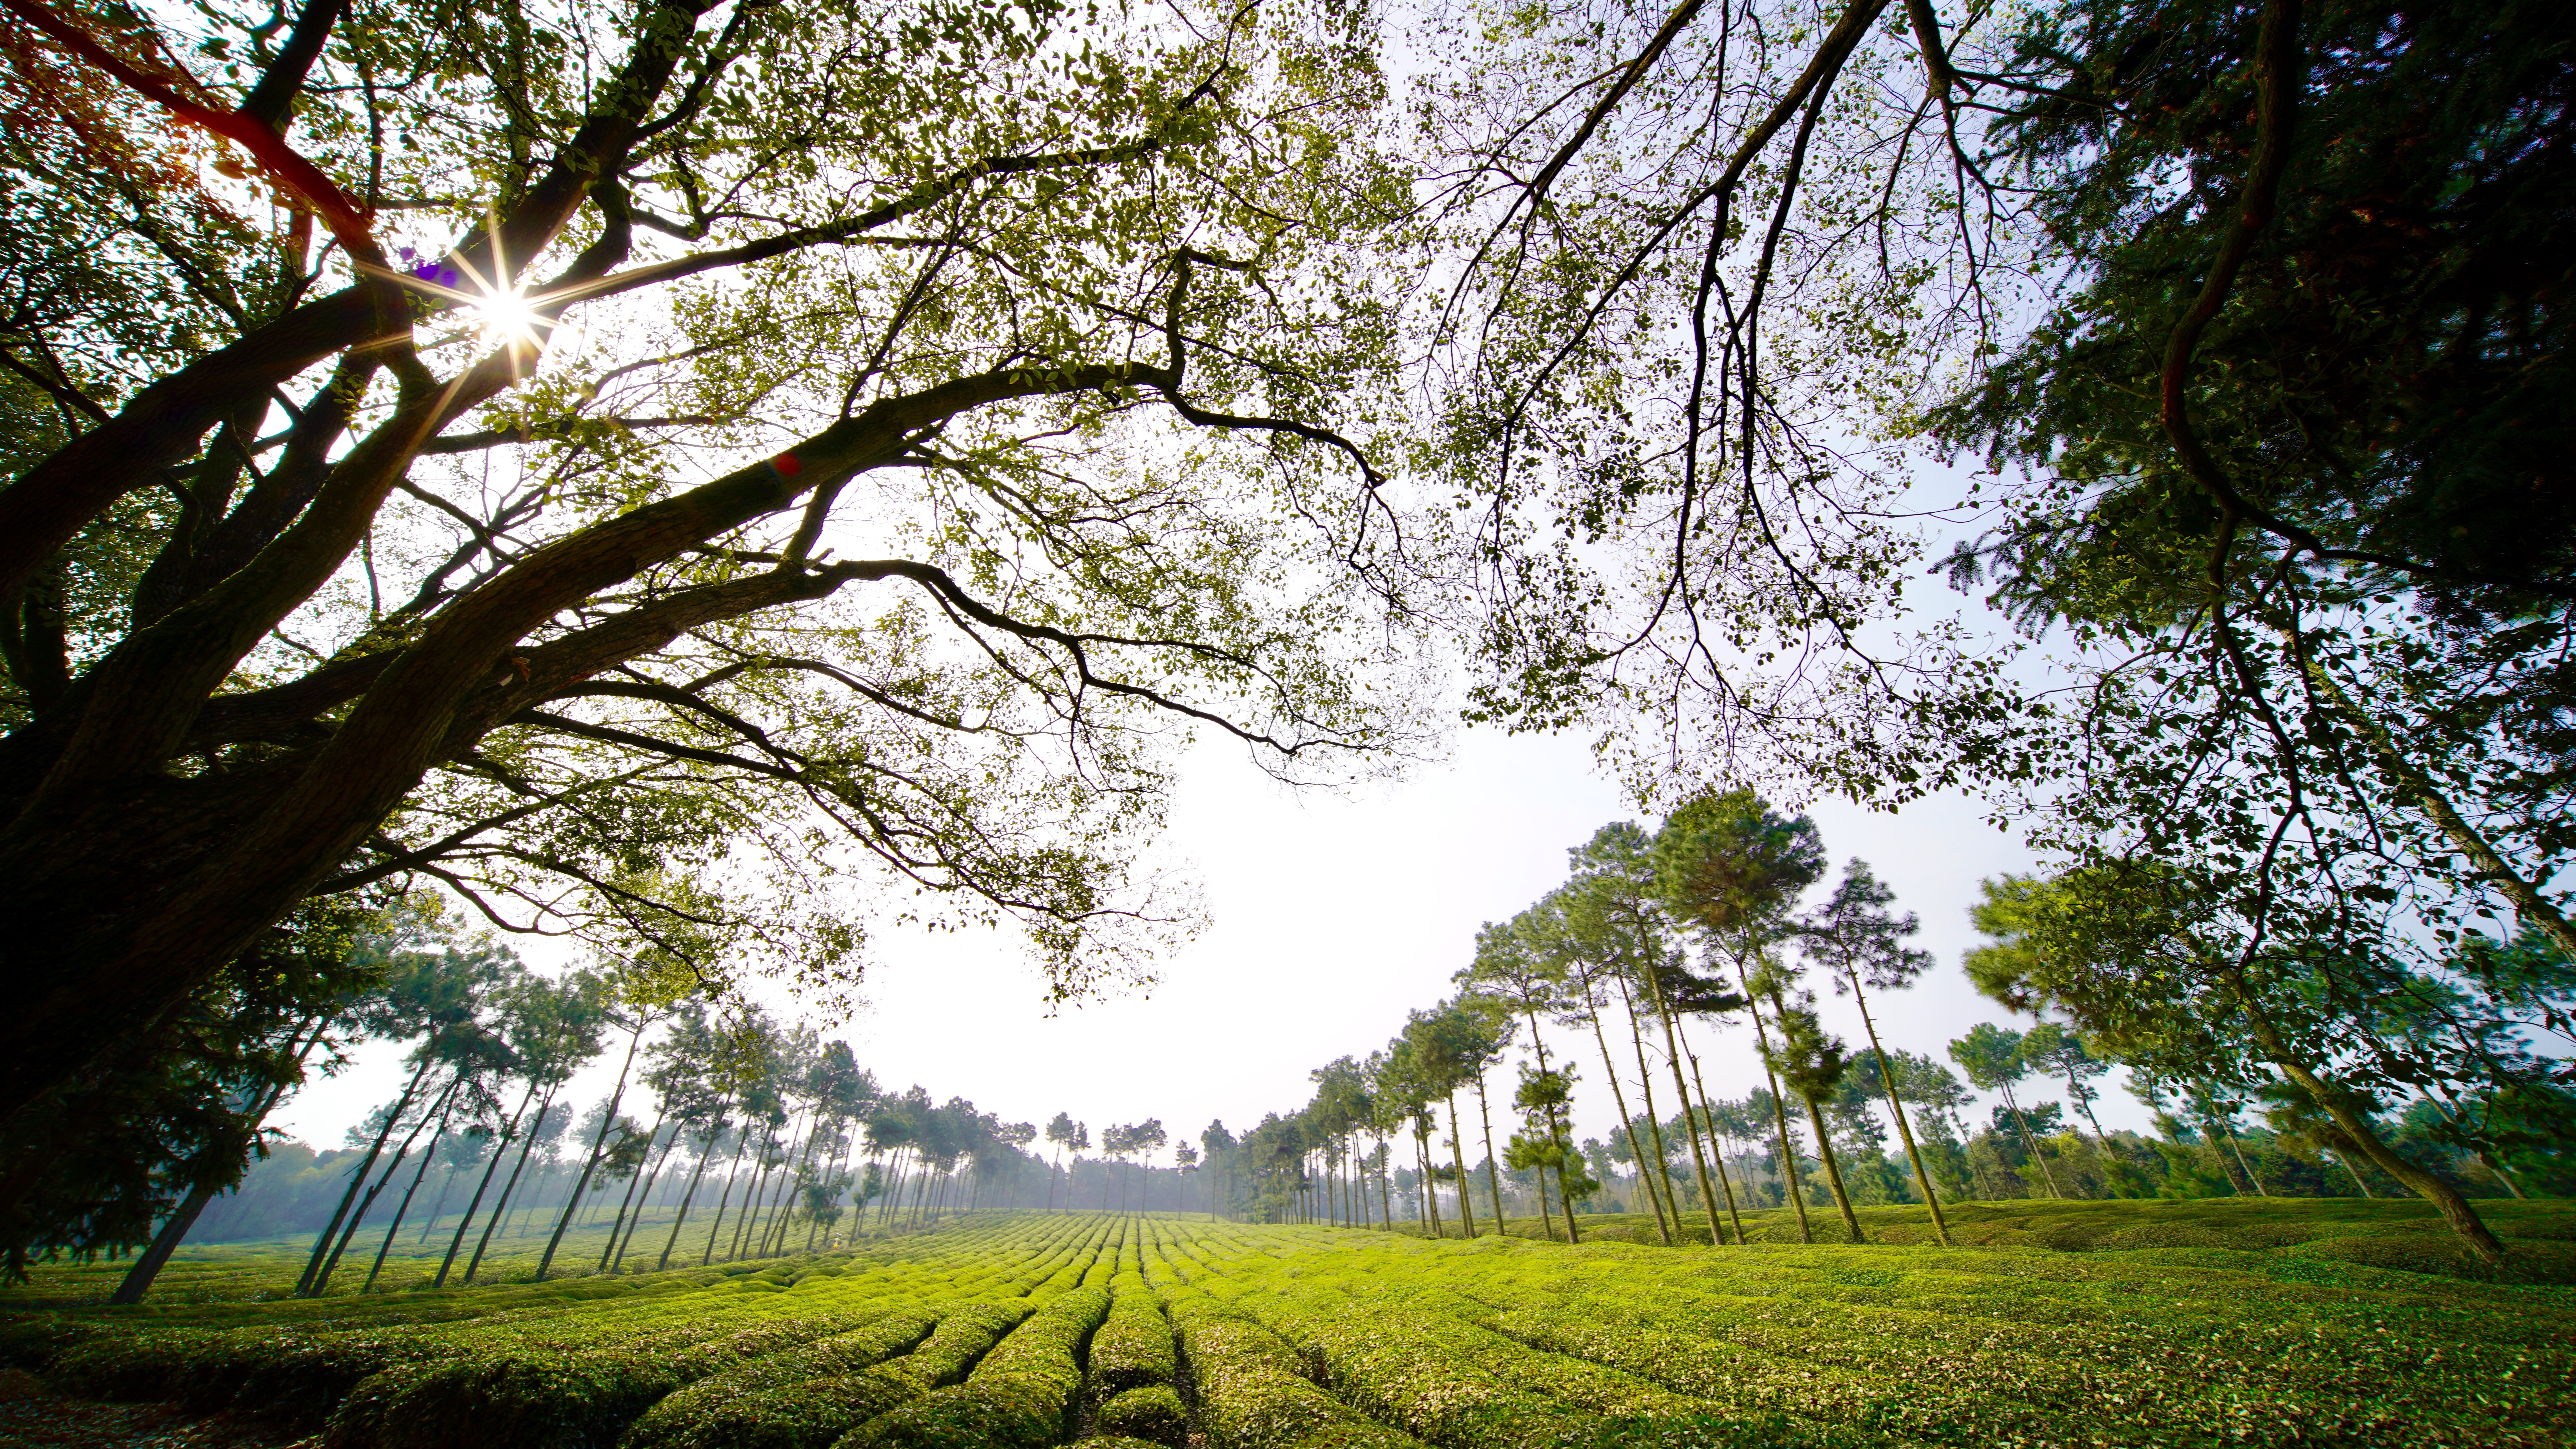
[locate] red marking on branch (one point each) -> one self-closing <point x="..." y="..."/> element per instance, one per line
<point x="787" y="465"/>
<point x="281" y="161"/>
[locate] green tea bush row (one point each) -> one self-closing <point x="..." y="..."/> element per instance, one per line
<point x="1398" y="1369"/>
<point x="544" y="1400"/>
<point x="1020" y="1397"/>
<point x="964" y="1336"/>
<point x="804" y="1397"/>
<point x="1251" y="1394"/>
<point x="1133" y="1348"/>
<point x="1153" y="1412"/>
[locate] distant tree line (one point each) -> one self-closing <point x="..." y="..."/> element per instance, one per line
<point x="724" y="1134"/>
<point x="1658" y="940"/>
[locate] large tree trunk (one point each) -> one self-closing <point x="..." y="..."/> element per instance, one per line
<point x="92" y="808"/>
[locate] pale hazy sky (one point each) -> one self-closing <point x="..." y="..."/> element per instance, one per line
<point x="1333" y="915"/>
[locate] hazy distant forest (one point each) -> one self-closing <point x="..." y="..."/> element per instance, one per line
<point x="709" y="480"/>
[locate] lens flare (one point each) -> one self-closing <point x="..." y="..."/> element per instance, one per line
<point x="506" y="317"/>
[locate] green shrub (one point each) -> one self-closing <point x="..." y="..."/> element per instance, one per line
<point x="991" y="1414"/>
<point x="1152" y="1412"/>
<point x="964" y="1335"/>
<point x="1019" y="1397"/>
<point x="1133" y="1348"/>
<point x="131" y="1367"/>
<point x="805" y="1415"/>
<point x="300" y="1380"/>
<point x="35" y="1340"/>
<point x="542" y="1398"/>
<point x="1453" y="1383"/>
<point x="704" y="1412"/>
<point x="1251" y="1395"/>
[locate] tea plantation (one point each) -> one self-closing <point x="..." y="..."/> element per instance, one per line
<point x="2067" y="1324"/>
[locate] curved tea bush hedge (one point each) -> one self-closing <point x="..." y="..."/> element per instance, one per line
<point x="1152" y="1412"/>
<point x="1133" y="1348"/>
<point x="1020" y="1397"/>
<point x="738" y="1404"/>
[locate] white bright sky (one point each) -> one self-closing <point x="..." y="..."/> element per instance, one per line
<point x="1333" y="915"/>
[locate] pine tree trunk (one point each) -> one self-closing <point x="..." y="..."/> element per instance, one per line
<point x="1716" y="1153"/>
<point x="1493" y="1164"/>
<point x="2239" y="1149"/>
<point x="696" y="1176"/>
<point x="2030" y="1139"/>
<point x="2454" y="1208"/>
<point x="501" y="1209"/>
<point x="750" y="1202"/>
<point x="733" y="1171"/>
<point x="429" y="1225"/>
<point x="331" y="1265"/>
<point x="404" y="1207"/>
<point x="639" y="1191"/>
<point x="1538" y="1044"/>
<point x="1833" y="1167"/>
<point x="759" y="1211"/>
<point x="1458" y="1159"/>
<point x="331" y="1231"/>
<point x="1794" y="1190"/>
<point x="1690" y="1120"/>
<point x="1904" y="1129"/>
<point x="499" y="1149"/>
<point x="1663" y="1165"/>
<point x="1620" y="1100"/>
<point x="607" y="1120"/>
<point x="138" y="1279"/>
<point x="1422" y="1162"/>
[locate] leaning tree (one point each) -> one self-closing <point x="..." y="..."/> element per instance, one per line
<point x="556" y="451"/>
